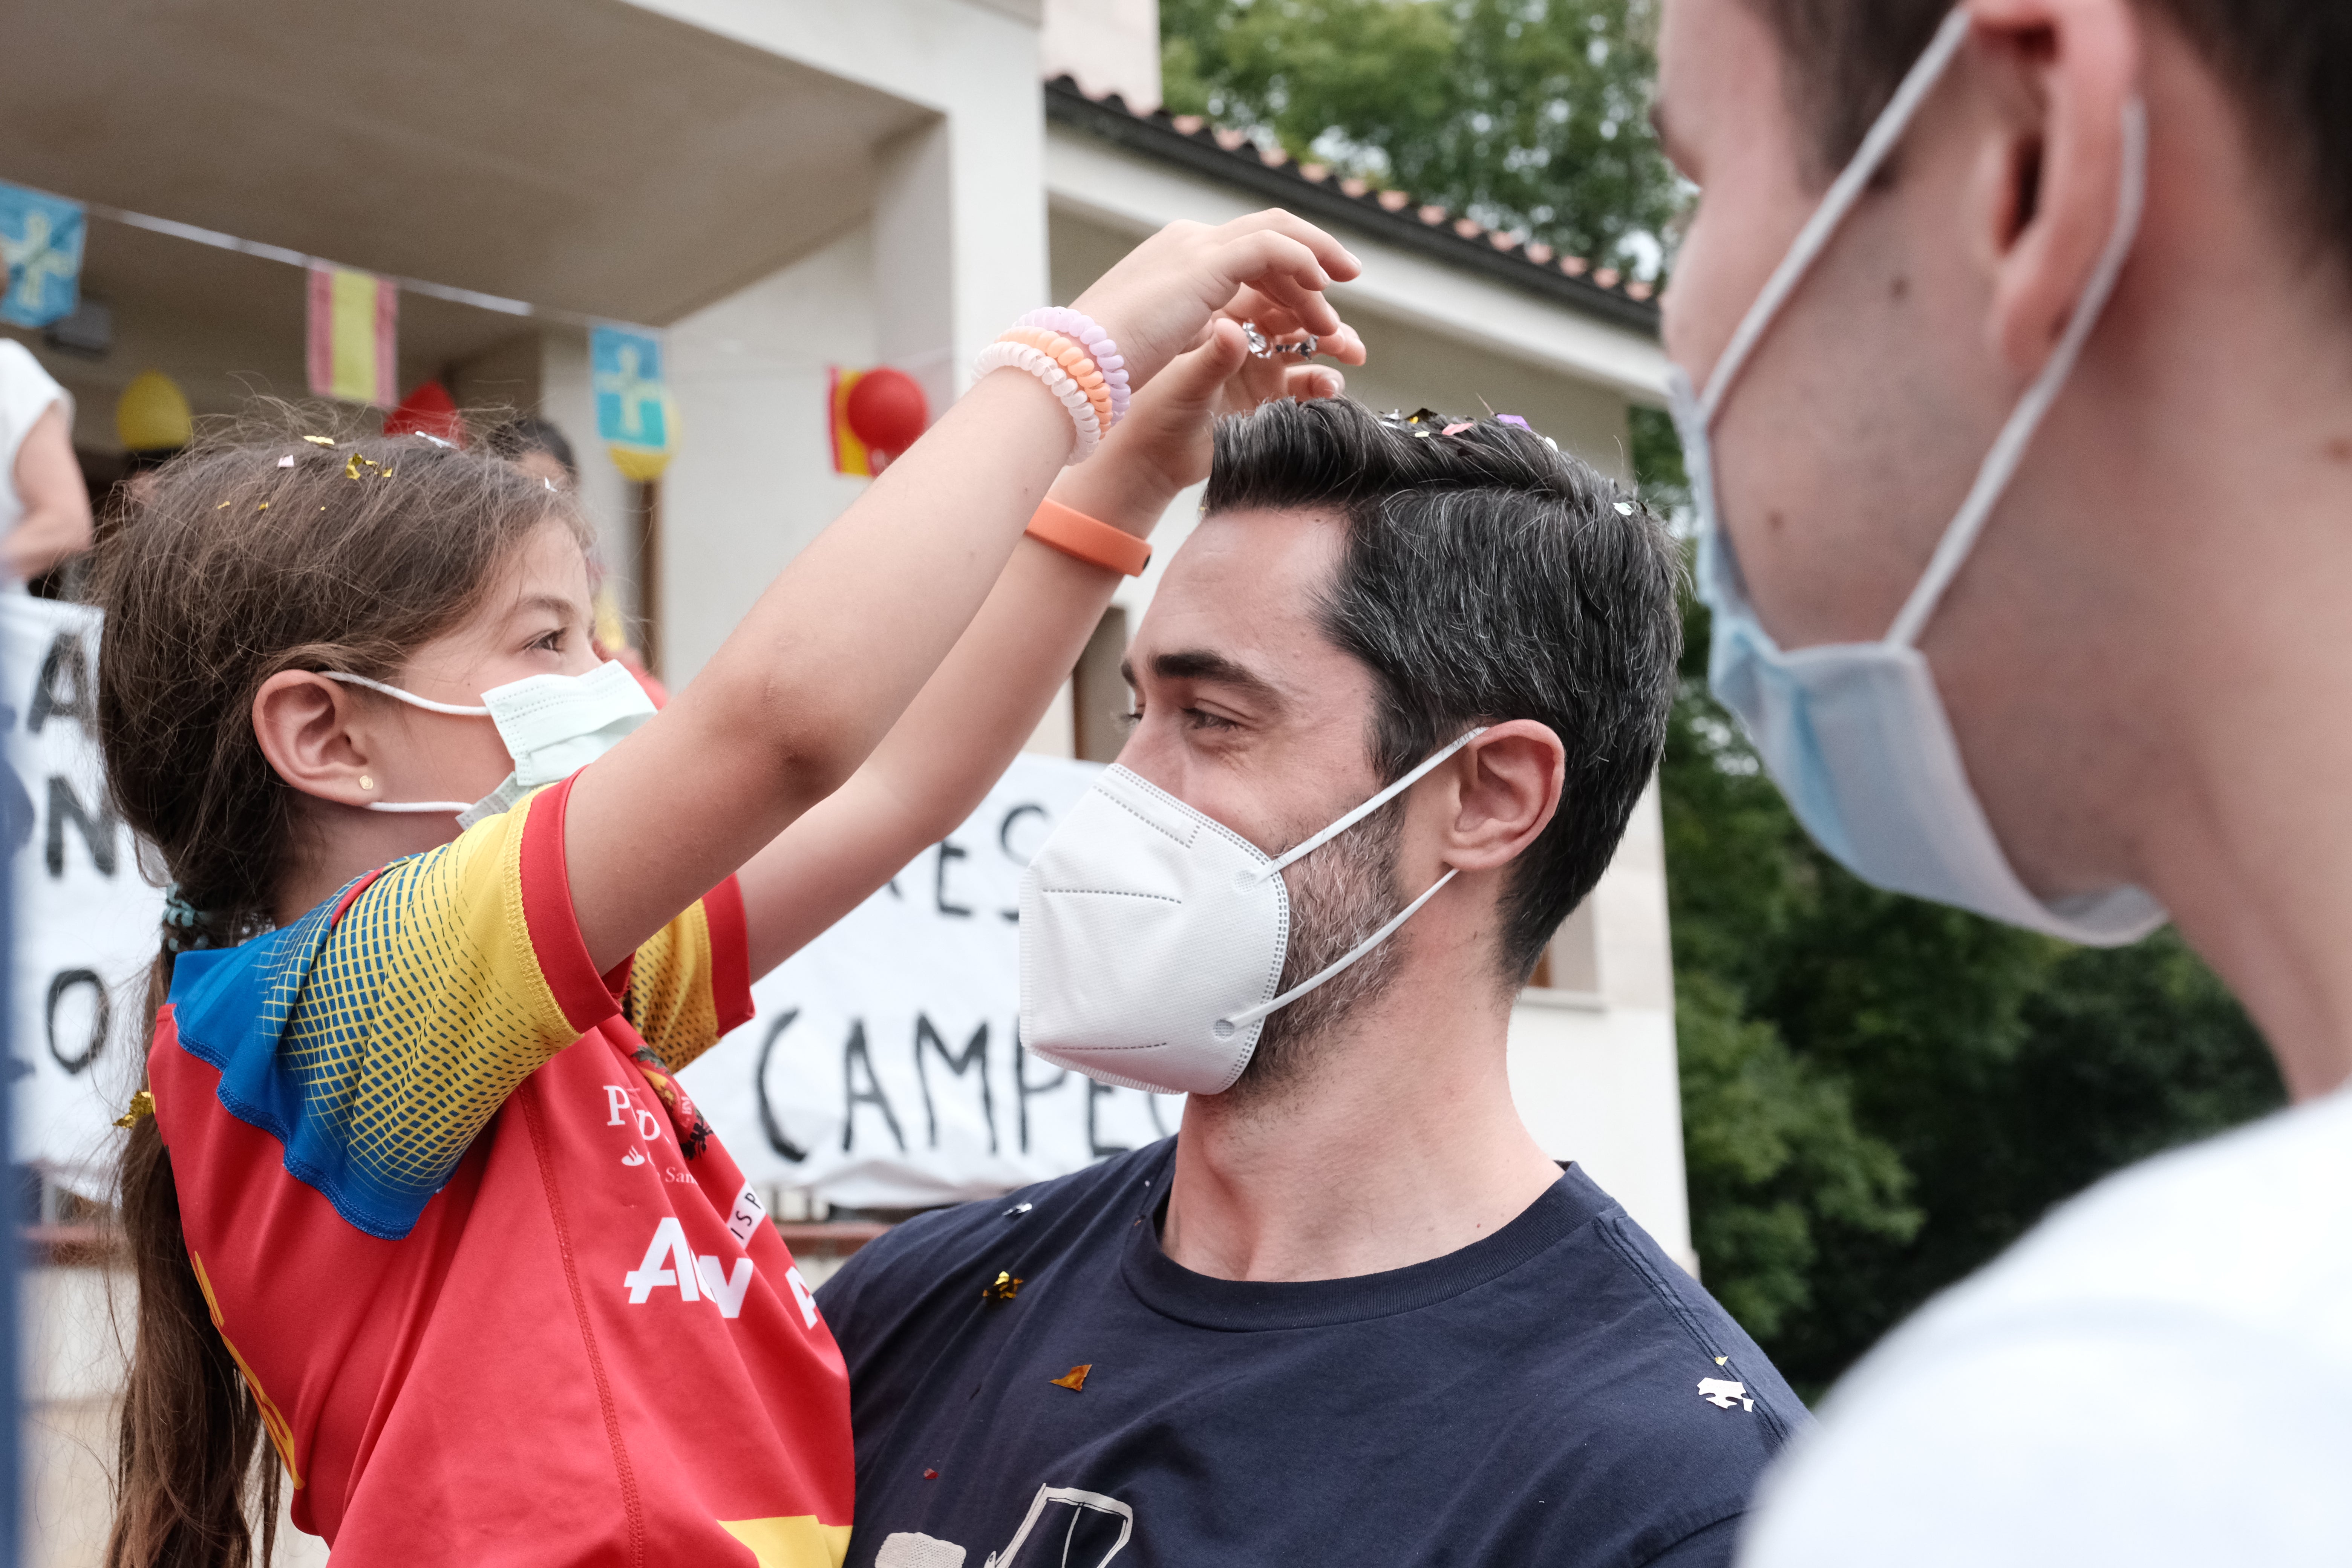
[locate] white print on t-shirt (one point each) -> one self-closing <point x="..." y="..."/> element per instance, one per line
<point x="804" y="1295"/>
<point x="619" y="1108"/>
<point x="746" y="1216"/>
<point x="909" y="1549"/>
<point x="670" y="1261"/>
<point x="1723" y="1393"/>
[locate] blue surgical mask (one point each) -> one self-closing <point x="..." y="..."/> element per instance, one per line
<point x="553" y="725"/>
<point x="1855" y="733"/>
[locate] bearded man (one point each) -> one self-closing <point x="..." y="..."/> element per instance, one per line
<point x="1395" y="701"/>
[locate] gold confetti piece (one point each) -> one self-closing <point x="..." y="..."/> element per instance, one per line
<point x="351" y="469"/>
<point x="142" y="1104"/>
<point x="263" y="507"/>
<point x="222" y="507"/>
<point x="1075" y="1380"/>
<point x="1002" y="1288"/>
<point x="319" y="440"/>
<point x="1721" y="1359"/>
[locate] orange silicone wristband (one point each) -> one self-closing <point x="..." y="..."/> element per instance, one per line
<point x="1077" y="535"/>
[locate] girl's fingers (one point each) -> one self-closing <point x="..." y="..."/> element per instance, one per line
<point x="1309" y="382"/>
<point x="1334" y="257"/>
<point x="1282" y="269"/>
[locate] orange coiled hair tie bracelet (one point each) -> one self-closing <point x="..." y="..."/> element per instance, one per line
<point x="1087" y="378"/>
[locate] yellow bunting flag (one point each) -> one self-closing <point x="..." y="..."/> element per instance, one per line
<point x="353" y="317"/>
<point x="849" y="452"/>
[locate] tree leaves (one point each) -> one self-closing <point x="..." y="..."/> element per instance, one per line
<point x="1527" y="115"/>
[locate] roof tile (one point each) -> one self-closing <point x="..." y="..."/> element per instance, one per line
<point x="1500" y="248"/>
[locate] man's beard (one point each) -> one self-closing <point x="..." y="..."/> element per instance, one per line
<point x="1340" y="894"/>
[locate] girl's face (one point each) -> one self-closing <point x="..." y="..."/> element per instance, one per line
<point x="535" y="620"/>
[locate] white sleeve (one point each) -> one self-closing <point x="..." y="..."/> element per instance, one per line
<point x="2153" y="1436"/>
<point x="27" y="391"/>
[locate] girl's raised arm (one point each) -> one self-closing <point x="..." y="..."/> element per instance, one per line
<point x="840" y="644"/>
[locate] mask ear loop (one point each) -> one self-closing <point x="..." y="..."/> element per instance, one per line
<point x="408" y="697"/>
<point x="2009" y="450"/>
<point x="1226" y="1028"/>
<point x="1300" y="851"/>
<point x="412" y="807"/>
<point x="1843" y="191"/>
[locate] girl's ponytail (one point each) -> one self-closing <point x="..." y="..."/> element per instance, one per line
<point x="253" y="555"/>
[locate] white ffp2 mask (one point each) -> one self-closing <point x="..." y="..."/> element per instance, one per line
<point x="553" y="725"/>
<point x="1855" y="733"/>
<point x="1152" y="936"/>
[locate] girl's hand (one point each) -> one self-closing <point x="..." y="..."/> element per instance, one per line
<point x="1156" y="301"/>
<point x="1164" y="444"/>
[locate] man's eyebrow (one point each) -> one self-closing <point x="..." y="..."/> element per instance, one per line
<point x="1201" y="664"/>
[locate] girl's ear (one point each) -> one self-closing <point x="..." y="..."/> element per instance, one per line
<point x="307" y="727"/>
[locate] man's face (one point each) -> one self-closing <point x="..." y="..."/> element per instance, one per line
<point x="1250" y="714"/>
<point x="1851" y="437"/>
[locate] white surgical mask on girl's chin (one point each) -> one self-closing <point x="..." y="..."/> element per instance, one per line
<point x="1855" y="733"/>
<point x="1152" y="937"/>
<point x="553" y="725"/>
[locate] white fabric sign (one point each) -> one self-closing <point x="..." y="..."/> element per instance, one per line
<point x="86" y="921"/>
<point x="884" y="1070"/>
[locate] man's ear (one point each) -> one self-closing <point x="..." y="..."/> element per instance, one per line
<point x="309" y="731"/>
<point x="1509" y="784"/>
<point x="2054" y="186"/>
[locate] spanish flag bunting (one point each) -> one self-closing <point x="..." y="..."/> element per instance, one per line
<point x="353" y="317"/>
<point x="849" y="452"/>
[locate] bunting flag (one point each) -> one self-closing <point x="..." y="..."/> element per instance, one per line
<point x="41" y="249"/>
<point x="850" y="454"/>
<point x="353" y="319"/>
<point x="636" y="417"/>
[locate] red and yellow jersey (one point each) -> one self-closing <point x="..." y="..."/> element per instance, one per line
<point x="502" y="1298"/>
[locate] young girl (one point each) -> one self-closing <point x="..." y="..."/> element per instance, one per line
<point x="419" y="1199"/>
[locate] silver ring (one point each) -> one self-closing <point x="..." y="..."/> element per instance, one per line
<point x="1261" y="347"/>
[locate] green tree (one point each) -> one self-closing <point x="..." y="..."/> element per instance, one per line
<point x="1527" y="115"/>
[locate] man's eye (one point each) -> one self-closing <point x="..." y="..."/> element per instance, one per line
<point x="1203" y="719"/>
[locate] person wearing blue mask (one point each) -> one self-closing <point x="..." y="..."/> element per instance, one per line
<point x="1396" y="697"/>
<point x="2012" y="340"/>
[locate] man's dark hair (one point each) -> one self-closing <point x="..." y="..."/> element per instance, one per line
<point x="2282" y="62"/>
<point x="526" y="433"/>
<point x="1487" y="577"/>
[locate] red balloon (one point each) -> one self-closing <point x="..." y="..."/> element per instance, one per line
<point x="886" y="410"/>
<point x="429" y="411"/>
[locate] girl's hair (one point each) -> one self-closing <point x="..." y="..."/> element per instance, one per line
<point x="237" y="566"/>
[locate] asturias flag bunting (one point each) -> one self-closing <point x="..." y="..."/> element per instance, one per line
<point x="40" y="249"/>
<point x="354" y="318"/>
<point x="636" y="417"/>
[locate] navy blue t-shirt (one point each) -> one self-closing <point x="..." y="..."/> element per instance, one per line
<point x="1558" y="1392"/>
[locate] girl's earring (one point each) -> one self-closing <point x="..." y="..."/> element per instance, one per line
<point x="366" y="782"/>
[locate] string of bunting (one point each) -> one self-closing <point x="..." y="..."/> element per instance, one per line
<point x="353" y="317"/>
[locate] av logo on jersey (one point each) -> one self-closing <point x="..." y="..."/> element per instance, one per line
<point x="670" y="1264"/>
<point x="1079" y="1533"/>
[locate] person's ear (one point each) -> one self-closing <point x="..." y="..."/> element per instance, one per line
<point x="2054" y="173"/>
<point x="310" y="731"/>
<point x="1508" y="785"/>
